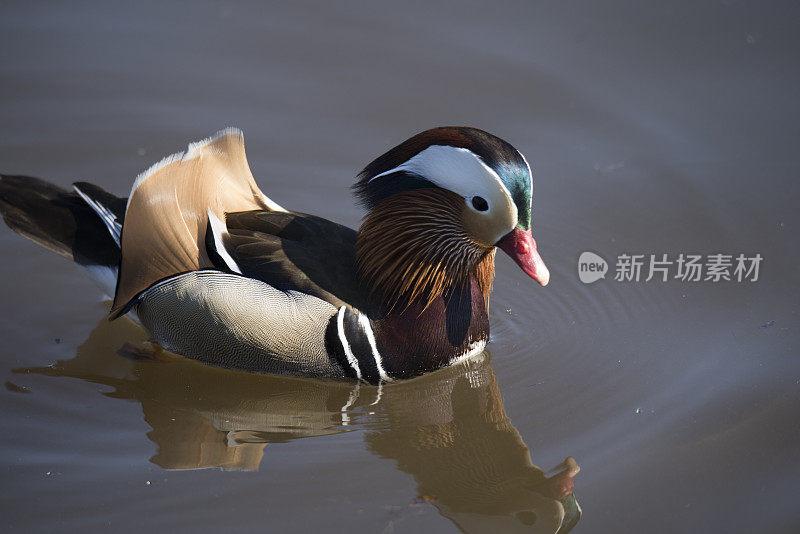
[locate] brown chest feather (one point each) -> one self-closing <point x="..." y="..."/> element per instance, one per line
<point x="416" y="340"/>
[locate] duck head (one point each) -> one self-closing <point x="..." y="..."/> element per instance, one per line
<point x="438" y="205"/>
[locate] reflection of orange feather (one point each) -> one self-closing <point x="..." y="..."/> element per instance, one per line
<point x="413" y="245"/>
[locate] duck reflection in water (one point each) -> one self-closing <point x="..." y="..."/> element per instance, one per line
<point x="447" y="429"/>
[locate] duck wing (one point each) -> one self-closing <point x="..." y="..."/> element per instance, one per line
<point x="296" y="251"/>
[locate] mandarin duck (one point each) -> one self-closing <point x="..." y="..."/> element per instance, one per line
<point x="216" y="271"/>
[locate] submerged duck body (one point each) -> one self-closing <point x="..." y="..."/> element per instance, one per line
<point x="217" y="271"/>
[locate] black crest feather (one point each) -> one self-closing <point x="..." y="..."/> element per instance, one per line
<point x="494" y="152"/>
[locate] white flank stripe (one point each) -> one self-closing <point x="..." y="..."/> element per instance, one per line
<point x="364" y="322"/>
<point x="351" y="359"/>
<point x="217" y="230"/>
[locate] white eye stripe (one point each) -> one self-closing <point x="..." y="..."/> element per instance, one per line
<point x="458" y="169"/>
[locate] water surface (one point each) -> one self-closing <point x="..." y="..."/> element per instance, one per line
<point x="650" y="129"/>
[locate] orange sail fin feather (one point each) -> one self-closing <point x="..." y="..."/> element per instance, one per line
<point x="413" y="245"/>
<point x="168" y="211"/>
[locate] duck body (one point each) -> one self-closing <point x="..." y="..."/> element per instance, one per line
<point x="286" y="313"/>
<point x="218" y="272"/>
<point x="307" y="321"/>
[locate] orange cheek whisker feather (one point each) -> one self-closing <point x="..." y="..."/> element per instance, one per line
<point x="414" y="244"/>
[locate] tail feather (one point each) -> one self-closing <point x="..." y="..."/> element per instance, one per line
<point x="109" y="208"/>
<point x="62" y="221"/>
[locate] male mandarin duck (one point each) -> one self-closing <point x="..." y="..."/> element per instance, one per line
<point x="218" y="272"/>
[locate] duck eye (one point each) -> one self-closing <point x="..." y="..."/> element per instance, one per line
<point x="480" y="204"/>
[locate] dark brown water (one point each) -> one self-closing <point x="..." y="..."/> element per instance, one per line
<point x="661" y="129"/>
